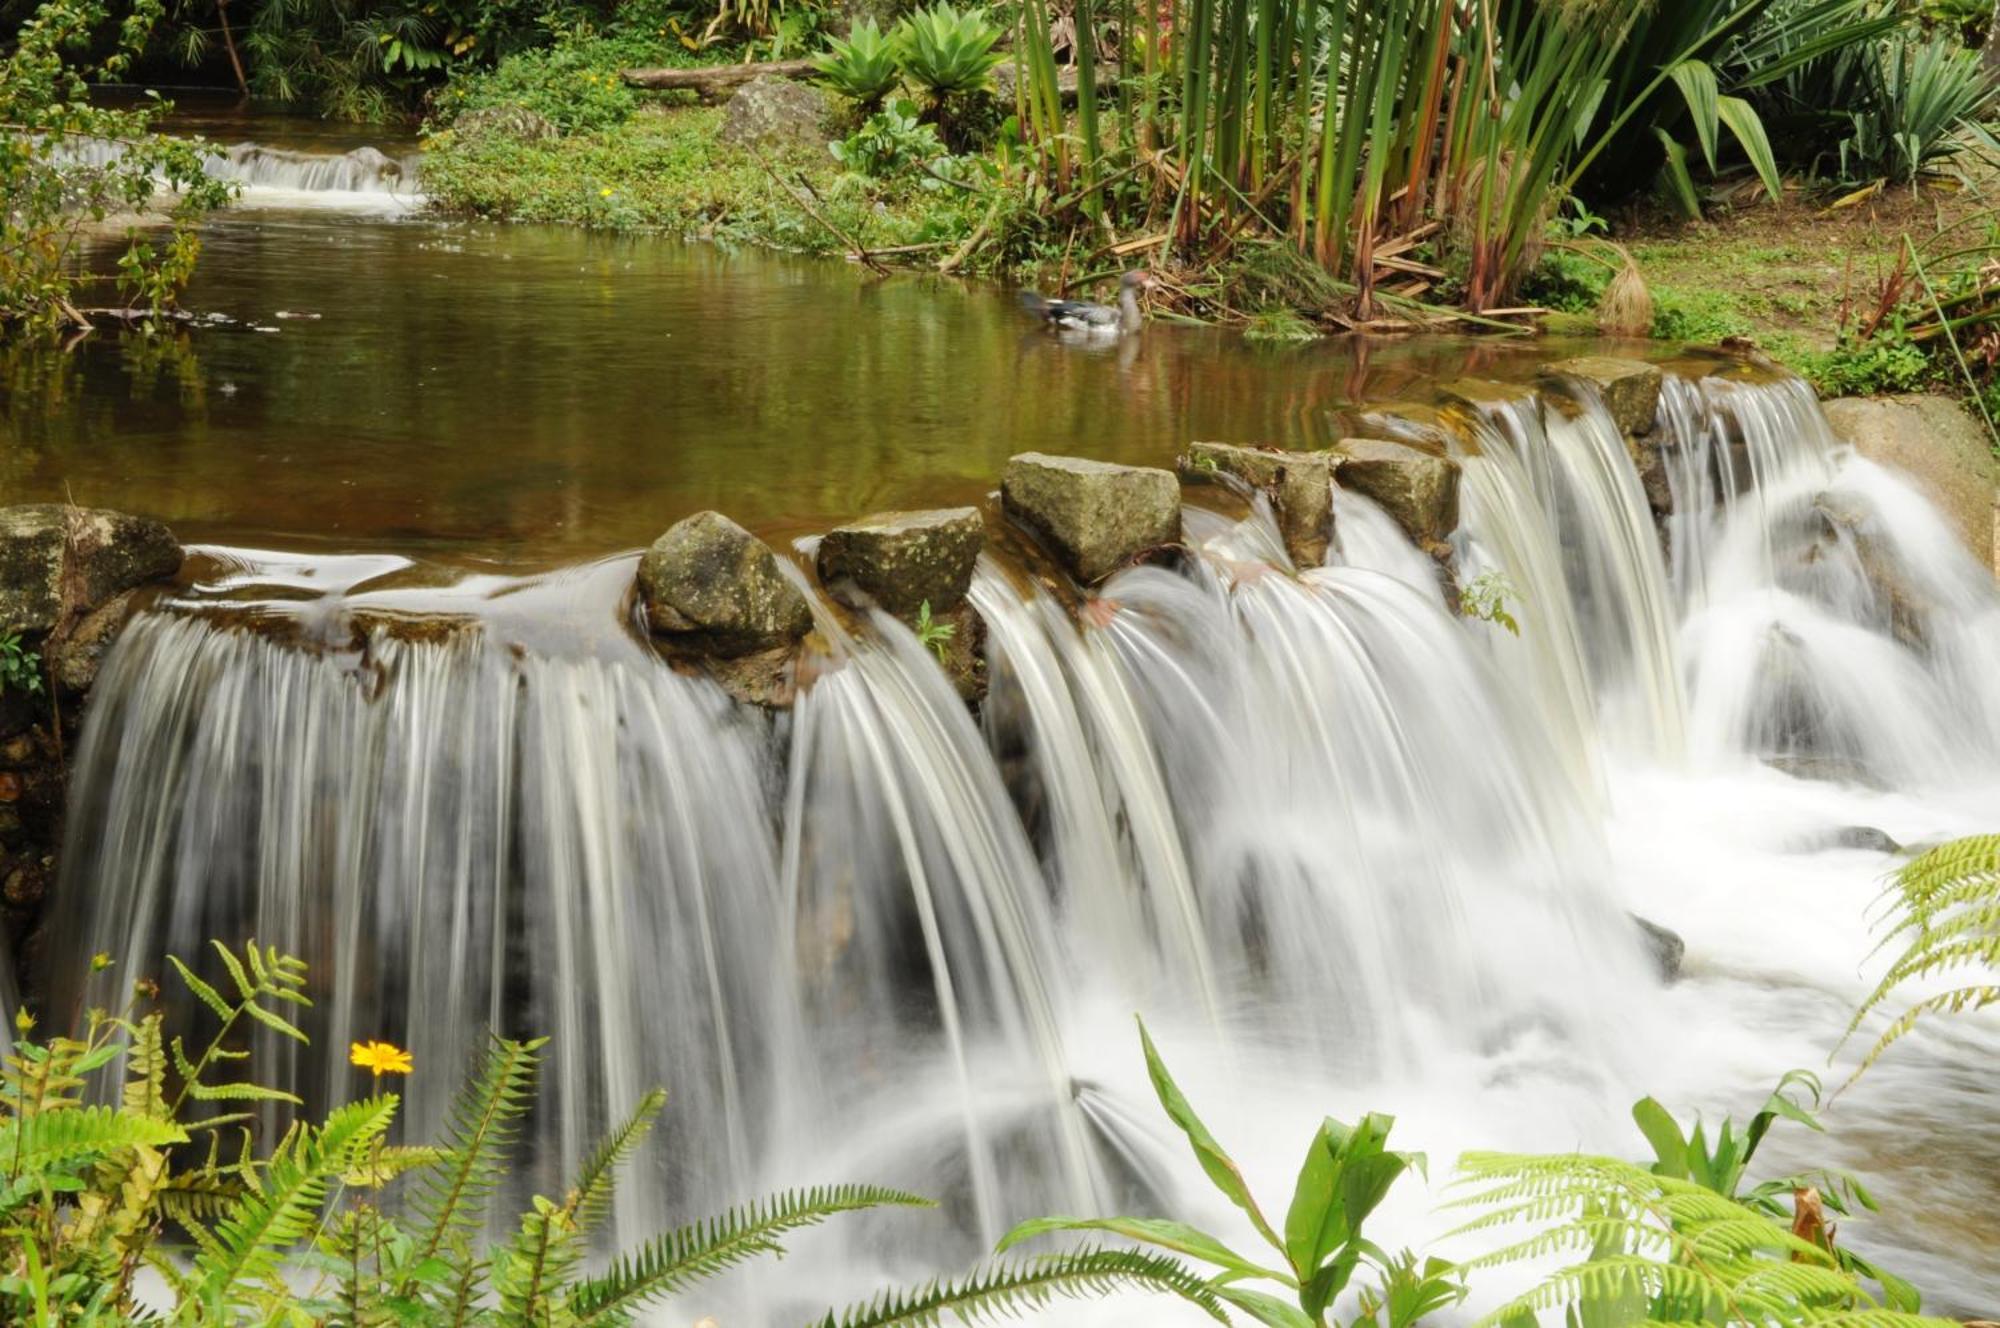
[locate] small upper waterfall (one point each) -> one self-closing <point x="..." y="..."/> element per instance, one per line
<point x="1334" y="839"/>
<point x="364" y="177"/>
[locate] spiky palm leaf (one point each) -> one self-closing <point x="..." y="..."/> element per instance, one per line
<point x="1661" y="1248"/>
<point x="1004" y="1289"/>
<point x="1945" y="905"/>
<point x="696" y="1252"/>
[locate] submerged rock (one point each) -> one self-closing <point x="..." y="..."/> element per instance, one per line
<point x="1630" y="388"/>
<point x="1096" y="516"/>
<point x="1418" y="489"/>
<point x="1299" y="484"/>
<point x="1940" y="446"/>
<point x="58" y="563"/>
<point x="769" y="111"/>
<point x="1666" y="947"/>
<point x="904" y="560"/>
<point x="711" y="586"/>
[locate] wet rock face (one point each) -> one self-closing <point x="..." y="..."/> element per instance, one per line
<point x="712" y="587"/>
<point x="903" y="560"/>
<point x="1940" y="446"/>
<point x="1094" y="515"/>
<point x="1666" y="947"/>
<point x="775" y="112"/>
<point x="59" y="562"/>
<point x="1630" y="388"/>
<point x="1418" y="489"/>
<point x="1299" y="484"/>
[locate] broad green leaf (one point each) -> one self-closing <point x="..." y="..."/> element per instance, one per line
<point x="1265" y="1309"/>
<point x="1176" y="1236"/>
<point x="1742" y="120"/>
<point x="1664" y="1134"/>
<point x="1313" y="1196"/>
<point x="1221" y="1169"/>
<point x="1676" y="171"/>
<point x="1699" y="89"/>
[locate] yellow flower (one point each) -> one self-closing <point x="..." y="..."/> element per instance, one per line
<point x="99" y="962"/>
<point x="604" y="193"/>
<point x="379" y="1058"/>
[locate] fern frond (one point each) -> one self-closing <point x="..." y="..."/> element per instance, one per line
<point x="485" y="1118"/>
<point x="53" y="1138"/>
<point x="145" y="1092"/>
<point x="1947" y="903"/>
<point x="250" y="1238"/>
<point x="590" y="1197"/>
<point x="694" y="1253"/>
<point x="1005" y="1289"/>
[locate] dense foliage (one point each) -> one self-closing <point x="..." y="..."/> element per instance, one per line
<point x="69" y="168"/>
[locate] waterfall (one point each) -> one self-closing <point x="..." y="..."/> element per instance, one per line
<point x="364" y="178"/>
<point x="1339" y="845"/>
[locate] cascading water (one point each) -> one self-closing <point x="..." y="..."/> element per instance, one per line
<point x="363" y="178"/>
<point x="1341" y="847"/>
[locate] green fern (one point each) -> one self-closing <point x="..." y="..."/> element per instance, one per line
<point x="1005" y="1289"/>
<point x="1656" y="1248"/>
<point x="250" y="1241"/>
<point x="51" y="1139"/>
<point x="696" y="1252"/>
<point x="1945" y="906"/>
<point x="451" y="1202"/>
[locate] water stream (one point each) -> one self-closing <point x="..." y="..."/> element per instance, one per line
<point x="1342" y="848"/>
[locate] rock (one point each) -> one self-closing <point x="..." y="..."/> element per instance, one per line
<point x="1935" y="442"/>
<point x="1419" y="489"/>
<point x="57" y="561"/>
<point x="964" y="654"/>
<point x="1300" y="486"/>
<point x="1095" y="515"/>
<point x="1900" y="603"/>
<point x="903" y="560"/>
<point x="81" y="653"/>
<point x="1630" y="388"/>
<point x="712" y="586"/>
<point x="1867" y="838"/>
<point x="776" y="112"/>
<point x="515" y="122"/>
<point x="1666" y="947"/>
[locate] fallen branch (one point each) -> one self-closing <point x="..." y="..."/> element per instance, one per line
<point x="716" y="82"/>
<point x="855" y="249"/>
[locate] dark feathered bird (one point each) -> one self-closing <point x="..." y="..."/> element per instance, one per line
<point x="1108" y="320"/>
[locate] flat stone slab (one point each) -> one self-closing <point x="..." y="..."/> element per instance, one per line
<point x="1419" y="489"/>
<point x="57" y="561"/>
<point x="1630" y="388"/>
<point x="1095" y="516"/>
<point x="711" y="585"/>
<point x="904" y="560"/>
<point x="1300" y="486"/>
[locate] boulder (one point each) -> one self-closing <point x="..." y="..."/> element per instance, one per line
<point x="1096" y="516"/>
<point x="904" y="560"/>
<point x="769" y="111"/>
<point x="1666" y="947"/>
<point x="712" y="586"/>
<point x="58" y="561"/>
<point x="515" y="122"/>
<point x="1299" y="484"/>
<point x="1935" y="442"/>
<point x="82" y="651"/>
<point x="1418" y="489"/>
<point x="1630" y="388"/>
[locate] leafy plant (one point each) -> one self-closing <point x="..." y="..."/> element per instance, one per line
<point x="1348" y="1171"/>
<point x="1945" y="907"/>
<point x="1485" y="597"/>
<point x="1930" y="98"/>
<point x="67" y="164"/>
<point x="20" y="668"/>
<point x="946" y="52"/>
<point x="863" y="67"/>
<point x="1680" y="1240"/>
<point x="934" y="635"/>
<point x="892" y="142"/>
<point x="574" y="85"/>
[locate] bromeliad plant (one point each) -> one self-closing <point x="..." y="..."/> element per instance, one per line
<point x="1348" y="1171"/>
<point x="864" y="67"/>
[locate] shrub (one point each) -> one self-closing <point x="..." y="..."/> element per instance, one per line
<point x="863" y="67"/>
<point x="575" y="85"/>
<point x="892" y="142"/>
<point x="20" y="668"/>
<point x="1929" y="96"/>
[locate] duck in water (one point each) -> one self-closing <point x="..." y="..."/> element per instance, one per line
<point x="1105" y="320"/>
